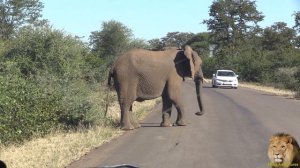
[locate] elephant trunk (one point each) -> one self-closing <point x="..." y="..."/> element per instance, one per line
<point x="199" y="84"/>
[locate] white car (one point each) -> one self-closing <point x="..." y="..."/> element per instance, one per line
<point x="225" y="78"/>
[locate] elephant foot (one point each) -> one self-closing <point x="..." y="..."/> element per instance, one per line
<point x="166" y="124"/>
<point x="127" y="127"/>
<point x="181" y="123"/>
<point x="136" y="125"/>
<point x="199" y="113"/>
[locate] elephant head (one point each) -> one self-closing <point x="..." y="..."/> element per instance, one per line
<point x="188" y="64"/>
<point x="195" y="71"/>
<point x="195" y="62"/>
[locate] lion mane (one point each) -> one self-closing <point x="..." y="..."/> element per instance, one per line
<point x="283" y="151"/>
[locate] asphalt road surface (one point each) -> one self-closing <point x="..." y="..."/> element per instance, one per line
<point x="233" y="133"/>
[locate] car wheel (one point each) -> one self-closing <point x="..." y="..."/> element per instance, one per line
<point x="235" y="87"/>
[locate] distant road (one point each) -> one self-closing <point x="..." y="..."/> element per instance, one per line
<point x="233" y="133"/>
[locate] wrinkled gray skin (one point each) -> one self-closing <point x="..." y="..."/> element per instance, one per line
<point x="143" y="75"/>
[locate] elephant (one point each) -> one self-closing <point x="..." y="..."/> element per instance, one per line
<point x="143" y="75"/>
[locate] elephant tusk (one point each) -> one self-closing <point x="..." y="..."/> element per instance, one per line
<point x="206" y="81"/>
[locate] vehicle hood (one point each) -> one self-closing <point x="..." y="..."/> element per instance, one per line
<point x="226" y="78"/>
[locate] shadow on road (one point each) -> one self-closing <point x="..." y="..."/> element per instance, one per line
<point x="150" y="124"/>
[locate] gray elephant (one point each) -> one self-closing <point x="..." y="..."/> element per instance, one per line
<point x="143" y="75"/>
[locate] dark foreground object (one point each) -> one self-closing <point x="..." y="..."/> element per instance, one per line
<point x="120" y="166"/>
<point x="2" y="164"/>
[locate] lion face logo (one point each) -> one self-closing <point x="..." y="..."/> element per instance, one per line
<point x="278" y="147"/>
<point x="283" y="151"/>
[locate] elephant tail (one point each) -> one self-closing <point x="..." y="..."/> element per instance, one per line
<point x="109" y="83"/>
<point x="110" y="76"/>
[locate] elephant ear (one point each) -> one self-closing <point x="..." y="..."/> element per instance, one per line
<point x="188" y="53"/>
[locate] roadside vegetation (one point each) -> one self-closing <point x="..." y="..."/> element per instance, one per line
<point x="53" y="85"/>
<point x="269" y="89"/>
<point x="60" y="148"/>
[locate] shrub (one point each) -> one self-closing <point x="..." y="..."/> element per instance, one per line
<point x="43" y="84"/>
<point x="285" y="77"/>
<point x="26" y="109"/>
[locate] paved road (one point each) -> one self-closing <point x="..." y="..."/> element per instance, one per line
<point x="233" y="133"/>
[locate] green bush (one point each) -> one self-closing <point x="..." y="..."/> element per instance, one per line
<point x="44" y="86"/>
<point x="208" y="67"/>
<point x="285" y="77"/>
<point x="26" y="109"/>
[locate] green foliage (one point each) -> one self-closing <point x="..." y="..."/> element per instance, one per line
<point x="39" y="50"/>
<point x="176" y="39"/>
<point x="26" y="109"/>
<point x="297" y="21"/>
<point x="156" y="44"/>
<point x="268" y="56"/>
<point x="278" y="36"/>
<point x="138" y="43"/>
<point x="231" y="20"/>
<point x="15" y="14"/>
<point x="287" y="78"/>
<point x="172" y="39"/>
<point x="200" y="42"/>
<point x="44" y="86"/>
<point x="209" y="66"/>
<point x="113" y="39"/>
<point x="297" y="28"/>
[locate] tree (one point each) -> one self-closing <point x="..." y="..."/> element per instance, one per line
<point x="156" y="44"/>
<point x="278" y="36"/>
<point x="176" y="39"/>
<point x="172" y="39"/>
<point x="138" y="43"/>
<point x="111" y="40"/>
<point x="297" y="28"/>
<point x="297" y="21"/>
<point x="17" y="13"/>
<point x="231" y="20"/>
<point x="200" y="42"/>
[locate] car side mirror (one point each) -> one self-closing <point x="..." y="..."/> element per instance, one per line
<point x="237" y="76"/>
<point x="214" y="75"/>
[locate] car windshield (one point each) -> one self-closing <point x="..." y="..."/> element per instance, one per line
<point x="225" y="73"/>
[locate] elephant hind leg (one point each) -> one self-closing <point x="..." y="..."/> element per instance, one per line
<point x="175" y="96"/>
<point x="166" y="111"/>
<point x="125" y="115"/>
<point x="180" y="118"/>
<point x="133" y="121"/>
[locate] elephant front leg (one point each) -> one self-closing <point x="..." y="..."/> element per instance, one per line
<point x="166" y="112"/>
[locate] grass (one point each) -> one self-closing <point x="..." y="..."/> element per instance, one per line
<point x="268" y="89"/>
<point x="59" y="149"/>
